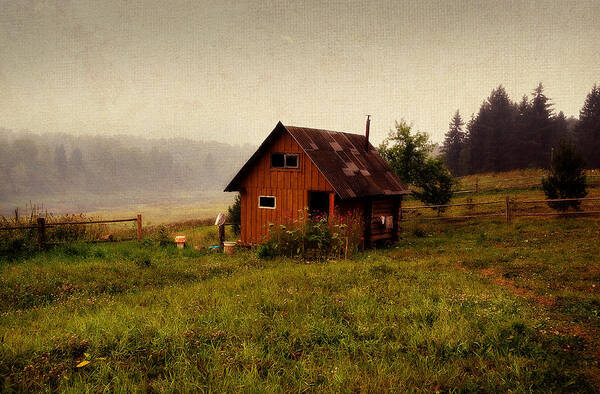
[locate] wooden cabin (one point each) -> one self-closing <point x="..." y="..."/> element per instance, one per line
<point x="298" y="168"/>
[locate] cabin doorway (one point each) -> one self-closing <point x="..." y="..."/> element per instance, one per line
<point x="318" y="204"/>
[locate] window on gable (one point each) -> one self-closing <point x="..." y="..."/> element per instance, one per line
<point x="266" y="202"/>
<point x="291" y="161"/>
<point x="284" y="160"/>
<point x="278" y="160"/>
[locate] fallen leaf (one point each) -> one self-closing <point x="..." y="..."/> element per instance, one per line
<point x="83" y="364"/>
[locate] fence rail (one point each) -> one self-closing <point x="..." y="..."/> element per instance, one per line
<point x="42" y="225"/>
<point x="508" y="209"/>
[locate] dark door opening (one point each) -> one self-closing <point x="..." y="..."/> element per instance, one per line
<point x="318" y="204"/>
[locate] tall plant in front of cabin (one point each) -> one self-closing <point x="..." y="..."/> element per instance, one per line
<point x="314" y="237"/>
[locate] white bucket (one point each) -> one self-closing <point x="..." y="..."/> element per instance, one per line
<point x="229" y="247"/>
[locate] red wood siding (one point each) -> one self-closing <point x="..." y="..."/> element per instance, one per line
<point x="289" y="187"/>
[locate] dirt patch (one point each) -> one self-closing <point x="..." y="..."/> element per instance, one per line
<point x="563" y="325"/>
<point x="488" y="272"/>
<point x="519" y="291"/>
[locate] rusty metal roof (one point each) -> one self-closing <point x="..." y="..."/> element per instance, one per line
<point x="341" y="157"/>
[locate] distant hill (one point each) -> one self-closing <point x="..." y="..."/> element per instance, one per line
<point x="55" y="164"/>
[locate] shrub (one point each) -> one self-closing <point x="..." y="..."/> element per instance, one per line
<point x="266" y="251"/>
<point x="162" y="236"/>
<point x="313" y="237"/>
<point x="566" y="178"/>
<point x="143" y="261"/>
<point x="419" y="232"/>
<point x="435" y="183"/>
<point x="234" y="214"/>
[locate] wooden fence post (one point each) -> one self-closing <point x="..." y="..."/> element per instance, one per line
<point x="139" y="226"/>
<point x="477" y="185"/>
<point x="41" y="232"/>
<point x="507" y="209"/>
<point x="221" y="236"/>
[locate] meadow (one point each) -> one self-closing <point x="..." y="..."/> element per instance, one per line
<point x="480" y="306"/>
<point x="454" y="306"/>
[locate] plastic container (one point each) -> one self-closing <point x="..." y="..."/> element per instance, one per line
<point x="180" y="241"/>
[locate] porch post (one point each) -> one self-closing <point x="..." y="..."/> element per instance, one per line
<point x="367" y="217"/>
<point x="397" y="201"/>
<point x="331" y="206"/>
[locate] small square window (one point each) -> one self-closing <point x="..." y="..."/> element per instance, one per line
<point x="266" y="202"/>
<point x="291" y="161"/>
<point x="277" y="160"/>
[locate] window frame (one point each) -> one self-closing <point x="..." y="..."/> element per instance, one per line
<point x="296" y="155"/>
<point x="285" y="156"/>
<point x="274" y="202"/>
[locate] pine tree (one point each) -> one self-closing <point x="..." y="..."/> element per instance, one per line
<point x="561" y="129"/>
<point x="566" y="178"/>
<point x="491" y="132"/>
<point x="465" y="153"/>
<point x="542" y="127"/>
<point x="76" y="162"/>
<point x="587" y="130"/>
<point x="453" y="144"/>
<point x="522" y="141"/>
<point x="60" y="160"/>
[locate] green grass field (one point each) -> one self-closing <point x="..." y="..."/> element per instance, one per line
<point x="473" y="306"/>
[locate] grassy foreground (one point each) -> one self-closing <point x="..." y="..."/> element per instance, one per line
<point x="480" y="306"/>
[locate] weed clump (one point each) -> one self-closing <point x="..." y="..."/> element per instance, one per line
<point x="419" y="232"/>
<point x="313" y="237"/>
<point x="267" y="251"/>
<point x="162" y="236"/>
<point x="143" y="261"/>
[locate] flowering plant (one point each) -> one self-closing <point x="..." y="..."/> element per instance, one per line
<point x="313" y="236"/>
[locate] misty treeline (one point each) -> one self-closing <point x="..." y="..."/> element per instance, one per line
<point x="506" y="135"/>
<point x="54" y="163"/>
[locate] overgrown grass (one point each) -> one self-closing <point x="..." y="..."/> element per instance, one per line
<point x="480" y="306"/>
<point x="525" y="178"/>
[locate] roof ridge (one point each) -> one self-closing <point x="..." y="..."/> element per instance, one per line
<point x="326" y="130"/>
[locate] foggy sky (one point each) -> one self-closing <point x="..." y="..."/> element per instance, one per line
<point x="229" y="70"/>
